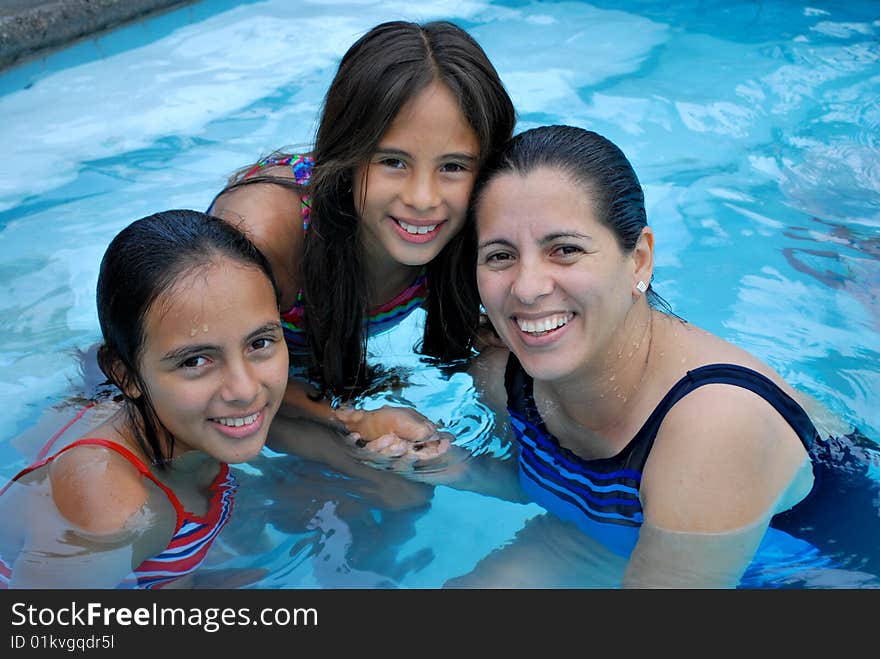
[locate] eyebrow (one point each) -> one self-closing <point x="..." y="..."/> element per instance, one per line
<point x="404" y="154"/>
<point x="494" y="241"/>
<point x="549" y="238"/>
<point x="185" y="351"/>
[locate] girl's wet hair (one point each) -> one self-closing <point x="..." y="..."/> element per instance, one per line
<point x="143" y="262"/>
<point x="587" y="159"/>
<point x="383" y="70"/>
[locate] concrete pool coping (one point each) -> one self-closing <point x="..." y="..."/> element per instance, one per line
<point x="32" y="28"/>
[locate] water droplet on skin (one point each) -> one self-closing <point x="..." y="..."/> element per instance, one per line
<point x="611" y="379"/>
<point x="204" y="328"/>
<point x="193" y="331"/>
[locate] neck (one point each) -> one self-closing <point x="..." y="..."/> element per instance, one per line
<point x="597" y="399"/>
<point x="387" y="279"/>
<point x="183" y="459"/>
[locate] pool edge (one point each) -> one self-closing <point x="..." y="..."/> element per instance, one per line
<point x="33" y="28"/>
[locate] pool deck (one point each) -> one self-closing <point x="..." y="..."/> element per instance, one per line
<point x="31" y="28"/>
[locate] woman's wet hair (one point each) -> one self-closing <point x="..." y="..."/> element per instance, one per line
<point x="144" y="261"/>
<point x="587" y="159"/>
<point x="382" y="71"/>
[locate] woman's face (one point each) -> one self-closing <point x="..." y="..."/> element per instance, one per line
<point x="214" y="360"/>
<point x="553" y="279"/>
<point x="412" y="195"/>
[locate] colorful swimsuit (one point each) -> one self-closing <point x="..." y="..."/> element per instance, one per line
<point x="193" y="534"/>
<point x="382" y="317"/>
<point x="602" y="496"/>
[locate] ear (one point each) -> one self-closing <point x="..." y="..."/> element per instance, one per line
<point x="113" y="367"/>
<point x="122" y="378"/>
<point x="643" y="259"/>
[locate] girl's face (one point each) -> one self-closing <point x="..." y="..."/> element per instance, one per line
<point x="412" y="195"/>
<point x="553" y="279"/>
<point x="214" y="360"/>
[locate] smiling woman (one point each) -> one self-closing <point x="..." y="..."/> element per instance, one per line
<point x="672" y="448"/>
<point x="189" y="317"/>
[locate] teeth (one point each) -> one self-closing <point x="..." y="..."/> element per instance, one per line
<point x="411" y="228"/>
<point x="237" y="421"/>
<point x="542" y="325"/>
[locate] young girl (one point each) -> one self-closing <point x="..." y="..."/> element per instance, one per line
<point x="671" y="447"/>
<point x="361" y="231"/>
<point x="189" y="318"/>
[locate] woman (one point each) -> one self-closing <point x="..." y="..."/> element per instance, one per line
<point x="674" y="448"/>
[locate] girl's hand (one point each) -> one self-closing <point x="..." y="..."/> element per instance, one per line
<point x="406" y="424"/>
<point x="394" y="432"/>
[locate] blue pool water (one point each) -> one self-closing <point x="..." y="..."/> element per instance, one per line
<point x="754" y="127"/>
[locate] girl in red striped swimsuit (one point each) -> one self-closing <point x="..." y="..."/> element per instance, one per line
<point x="188" y="311"/>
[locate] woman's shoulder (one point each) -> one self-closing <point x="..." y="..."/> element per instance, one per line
<point x="686" y="347"/>
<point x="727" y="384"/>
<point x="718" y="441"/>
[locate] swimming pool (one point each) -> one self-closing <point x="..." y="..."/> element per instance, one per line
<point x="753" y="126"/>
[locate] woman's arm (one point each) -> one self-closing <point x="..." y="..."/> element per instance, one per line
<point x="724" y="462"/>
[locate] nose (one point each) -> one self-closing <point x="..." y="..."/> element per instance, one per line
<point x="531" y="282"/>
<point x="421" y="191"/>
<point x="240" y="384"/>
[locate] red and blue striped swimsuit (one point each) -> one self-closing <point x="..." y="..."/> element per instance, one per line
<point x="193" y="534"/>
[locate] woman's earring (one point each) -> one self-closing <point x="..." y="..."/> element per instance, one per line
<point x="642" y="286"/>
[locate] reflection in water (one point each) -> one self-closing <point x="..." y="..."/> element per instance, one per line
<point x="858" y="275"/>
<point x="300" y="523"/>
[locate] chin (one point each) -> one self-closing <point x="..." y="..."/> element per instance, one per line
<point x="239" y="454"/>
<point x="543" y="368"/>
<point x="417" y="260"/>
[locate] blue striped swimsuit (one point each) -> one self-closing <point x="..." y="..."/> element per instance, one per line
<point x="602" y="496"/>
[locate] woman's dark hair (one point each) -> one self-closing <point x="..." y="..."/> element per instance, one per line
<point x="141" y="263"/>
<point x="588" y="159"/>
<point x="383" y="70"/>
